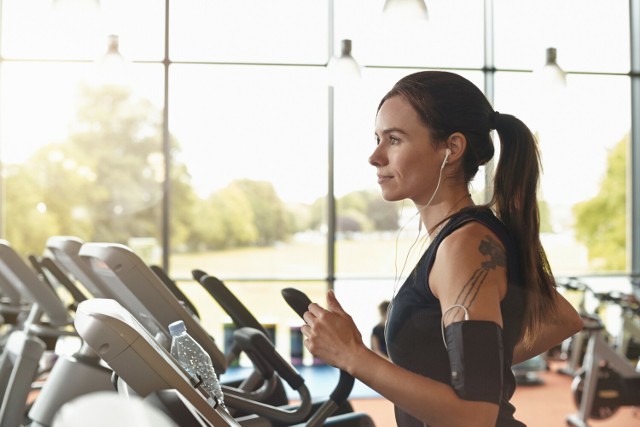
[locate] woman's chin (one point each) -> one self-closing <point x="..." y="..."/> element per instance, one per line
<point x="389" y="196"/>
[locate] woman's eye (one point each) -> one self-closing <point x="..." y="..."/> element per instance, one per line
<point x="393" y="140"/>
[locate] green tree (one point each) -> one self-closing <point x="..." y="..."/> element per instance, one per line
<point x="118" y="137"/>
<point x="364" y="207"/>
<point x="385" y="215"/>
<point x="228" y="220"/>
<point x="380" y="215"/>
<point x="601" y="222"/>
<point x="318" y="213"/>
<point x="185" y="206"/>
<point x="28" y="221"/>
<point x="269" y="213"/>
<point x="354" y="201"/>
<point x="105" y="183"/>
<point x="300" y="217"/>
<point x="353" y="220"/>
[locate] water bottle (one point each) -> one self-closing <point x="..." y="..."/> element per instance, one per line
<point x="195" y="361"/>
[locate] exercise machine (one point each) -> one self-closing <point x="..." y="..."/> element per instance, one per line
<point x="144" y="296"/>
<point x="47" y="321"/>
<point x="627" y="340"/>
<point x="113" y="271"/>
<point x="125" y="277"/>
<point x="123" y="273"/>
<point x="573" y="348"/>
<point x="137" y="358"/>
<point x="151" y="372"/>
<point x="120" y="268"/>
<point x="65" y="251"/>
<point x="18" y="368"/>
<point x="606" y="381"/>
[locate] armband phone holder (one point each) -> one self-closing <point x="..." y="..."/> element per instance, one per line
<point x="476" y="359"/>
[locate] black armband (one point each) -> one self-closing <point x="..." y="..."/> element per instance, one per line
<point x="476" y="359"/>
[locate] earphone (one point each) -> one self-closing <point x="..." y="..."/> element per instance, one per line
<point x="447" y="153"/>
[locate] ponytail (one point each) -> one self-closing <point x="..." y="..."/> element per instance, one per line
<point x="515" y="203"/>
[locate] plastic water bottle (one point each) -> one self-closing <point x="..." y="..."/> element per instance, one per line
<point x="195" y="361"/>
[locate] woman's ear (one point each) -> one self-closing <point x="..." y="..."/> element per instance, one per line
<point x="457" y="144"/>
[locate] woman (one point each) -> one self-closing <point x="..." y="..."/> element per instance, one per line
<point x="482" y="297"/>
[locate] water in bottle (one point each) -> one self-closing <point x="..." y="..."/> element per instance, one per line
<point x="195" y="360"/>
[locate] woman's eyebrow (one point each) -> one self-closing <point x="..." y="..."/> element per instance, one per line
<point x="390" y="130"/>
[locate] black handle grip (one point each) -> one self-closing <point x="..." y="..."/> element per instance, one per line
<point x="197" y="274"/>
<point x="297" y="300"/>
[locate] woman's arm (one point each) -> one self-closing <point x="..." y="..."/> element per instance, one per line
<point x="464" y="273"/>
<point x="567" y="323"/>
<point x="332" y="335"/>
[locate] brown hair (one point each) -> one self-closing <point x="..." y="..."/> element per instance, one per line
<point x="448" y="103"/>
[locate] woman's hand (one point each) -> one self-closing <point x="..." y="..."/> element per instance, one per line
<point x="331" y="334"/>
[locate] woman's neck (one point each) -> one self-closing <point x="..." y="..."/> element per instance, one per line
<point x="433" y="217"/>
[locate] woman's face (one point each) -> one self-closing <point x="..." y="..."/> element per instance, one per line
<point x="407" y="161"/>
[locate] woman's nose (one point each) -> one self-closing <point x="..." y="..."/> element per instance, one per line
<point x="375" y="159"/>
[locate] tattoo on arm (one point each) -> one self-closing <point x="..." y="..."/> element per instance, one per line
<point x="496" y="258"/>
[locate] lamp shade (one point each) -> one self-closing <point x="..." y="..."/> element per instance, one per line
<point x="343" y="69"/>
<point x="551" y="75"/>
<point x="112" y="68"/>
<point x="406" y="9"/>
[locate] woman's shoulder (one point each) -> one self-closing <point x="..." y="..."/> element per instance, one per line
<point x="469" y="256"/>
<point x="475" y="224"/>
<point x="472" y="236"/>
<point x="479" y="213"/>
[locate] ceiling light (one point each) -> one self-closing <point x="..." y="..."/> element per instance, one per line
<point x="343" y="69"/>
<point x="406" y="9"/>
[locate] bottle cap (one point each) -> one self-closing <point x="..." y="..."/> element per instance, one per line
<point x="177" y="327"/>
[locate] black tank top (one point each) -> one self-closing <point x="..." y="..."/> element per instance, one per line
<point x="414" y="337"/>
